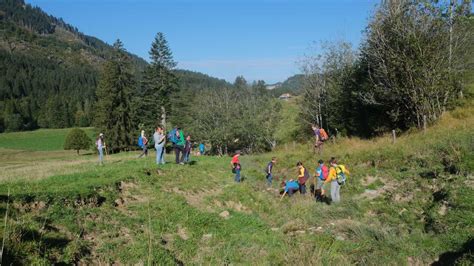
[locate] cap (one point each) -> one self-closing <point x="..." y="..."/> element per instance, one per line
<point x="101" y="134"/>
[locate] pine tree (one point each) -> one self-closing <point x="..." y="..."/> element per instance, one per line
<point x="113" y="106"/>
<point x="159" y="84"/>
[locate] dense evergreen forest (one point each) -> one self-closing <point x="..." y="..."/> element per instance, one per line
<point x="49" y="71"/>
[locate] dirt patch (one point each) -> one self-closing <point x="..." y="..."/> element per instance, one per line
<point x="197" y="198"/>
<point x="237" y="206"/>
<point x="369" y="180"/>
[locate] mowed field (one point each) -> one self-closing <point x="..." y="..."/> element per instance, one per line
<point x="405" y="203"/>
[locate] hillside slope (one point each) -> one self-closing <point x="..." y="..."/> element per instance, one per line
<point x="408" y="202"/>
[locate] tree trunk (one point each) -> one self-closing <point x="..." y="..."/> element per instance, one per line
<point x="163" y="117"/>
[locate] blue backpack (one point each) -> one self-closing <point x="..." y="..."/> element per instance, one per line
<point x="172" y="136"/>
<point x="140" y="142"/>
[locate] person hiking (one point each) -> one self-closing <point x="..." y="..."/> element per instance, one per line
<point x="100" y="145"/>
<point x="187" y="148"/>
<point x="322" y="173"/>
<point x="303" y="176"/>
<point x="202" y="149"/>
<point x="160" y="141"/>
<point x="290" y="187"/>
<point x="179" y="146"/>
<point x="337" y="177"/>
<point x="320" y="136"/>
<point x="143" y="143"/>
<point x="236" y="167"/>
<point x="269" y="170"/>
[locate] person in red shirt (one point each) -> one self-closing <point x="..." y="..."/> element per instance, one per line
<point x="236" y="166"/>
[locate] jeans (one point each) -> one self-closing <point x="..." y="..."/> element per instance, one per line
<point x="186" y="156"/>
<point x="335" y="191"/>
<point x="179" y="150"/>
<point x="237" y="175"/>
<point x="145" y="152"/>
<point x="269" y="179"/>
<point x="160" y="154"/>
<point x="291" y="191"/>
<point x="101" y="155"/>
<point x="303" y="188"/>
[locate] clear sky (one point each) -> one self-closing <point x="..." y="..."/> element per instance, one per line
<point x="260" y="39"/>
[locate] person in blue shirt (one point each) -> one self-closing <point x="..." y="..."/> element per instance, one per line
<point x="291" y="186"/>
<point x="202" y="149"/>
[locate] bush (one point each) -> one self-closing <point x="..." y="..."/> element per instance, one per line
<point x="77" y="139"/>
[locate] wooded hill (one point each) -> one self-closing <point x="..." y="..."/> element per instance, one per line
<point x="49" y="70"/>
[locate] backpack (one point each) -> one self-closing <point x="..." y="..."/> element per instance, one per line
<point x="322" y="133"/>
<point x="323" y="172"/>
<point x="340" y="176"/>
<point x="140" y="142"/>
<point x="172" y="136"/>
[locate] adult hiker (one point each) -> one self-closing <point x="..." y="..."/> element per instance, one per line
<point x="202" y="149"/>
<point x="337" y="177"/>
<point x="322" y="173"/>
<point x="100" y="145"/>
<point x="290" y="187"/>
<point x="178" y="145"/>
<point x="143" y="143"/>
<point x="303" y="176"/>
<point x="187" y="148"/>
<point x="269" y="170"/>
<point x="160" y="141"/>
<point x="320" y="136"/>
<point x="236" y="167"/>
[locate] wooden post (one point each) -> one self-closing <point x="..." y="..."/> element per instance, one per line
<point x="424" y="124"/>
<point x="394" y="136"/>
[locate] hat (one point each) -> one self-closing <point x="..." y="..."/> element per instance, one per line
<point x="101" y="134"/>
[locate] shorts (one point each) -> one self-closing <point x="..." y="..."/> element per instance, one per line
<point x="320" y="184"/>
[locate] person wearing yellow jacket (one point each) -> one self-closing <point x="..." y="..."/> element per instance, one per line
<point x="334" y="171"/>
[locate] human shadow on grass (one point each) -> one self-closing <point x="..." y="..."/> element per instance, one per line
<point x="451" y="257"/>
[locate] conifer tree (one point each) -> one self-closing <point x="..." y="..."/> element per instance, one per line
<point x="113" y="106"/>
<point x="159" y="84"/>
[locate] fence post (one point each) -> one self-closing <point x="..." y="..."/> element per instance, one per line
<point x="394" y="136"/>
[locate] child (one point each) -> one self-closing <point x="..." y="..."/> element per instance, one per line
<point x="302" y="177"/>
<point x="291" y="186"/>
<point x="269" y="170"/>
<point x="337" y="177"/>
<point x="187" y="149"/>
<point x="321" y="175"/>
<point x="236" y="167"/>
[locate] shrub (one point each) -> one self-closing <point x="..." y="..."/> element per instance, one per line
<point x="77" y="139"/>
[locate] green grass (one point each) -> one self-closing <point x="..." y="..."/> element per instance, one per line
<point x="129" y="211"/>
<point x="38" y="140"/>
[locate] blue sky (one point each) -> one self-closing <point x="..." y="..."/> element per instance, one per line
<point x="257" y="39"/>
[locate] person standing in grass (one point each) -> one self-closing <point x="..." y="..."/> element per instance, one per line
<point x="160" y="140"/>
<point x="269" y="170"/>
<point x="100" y="145"/>
<point x="202" y="149"/>
<point x="143" y="143"/>
<point x="322" y="173"/>
<point x="187" y="148"/>
<point x="179" y="146"/>
<point x="236" y="167"/>
<point x="303" y="176"/>
<point x="337" y="177"/>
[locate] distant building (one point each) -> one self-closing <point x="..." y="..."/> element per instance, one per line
<point x="285" y="96"/>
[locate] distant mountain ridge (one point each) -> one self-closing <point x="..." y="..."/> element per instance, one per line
<point x="292" y="85"/>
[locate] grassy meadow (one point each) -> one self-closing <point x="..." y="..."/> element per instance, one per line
<point x="405" y="203"/>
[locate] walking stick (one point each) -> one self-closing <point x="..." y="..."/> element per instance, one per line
<point x="284" y="193"/>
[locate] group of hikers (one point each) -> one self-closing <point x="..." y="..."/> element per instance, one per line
<point x="181" y="144"/>
<point x="334" y="174"/>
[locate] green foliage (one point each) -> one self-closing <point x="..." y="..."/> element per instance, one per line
<point x="113" y="106"/>
<point x="292" y="85"/>
<point x="77" y="139"/>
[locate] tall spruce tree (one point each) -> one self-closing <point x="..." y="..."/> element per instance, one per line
<point x="159" y="84"/>
<point x="113" y="106"/>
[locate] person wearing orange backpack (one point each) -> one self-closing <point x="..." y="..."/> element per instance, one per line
<point x="320" y="136"/>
